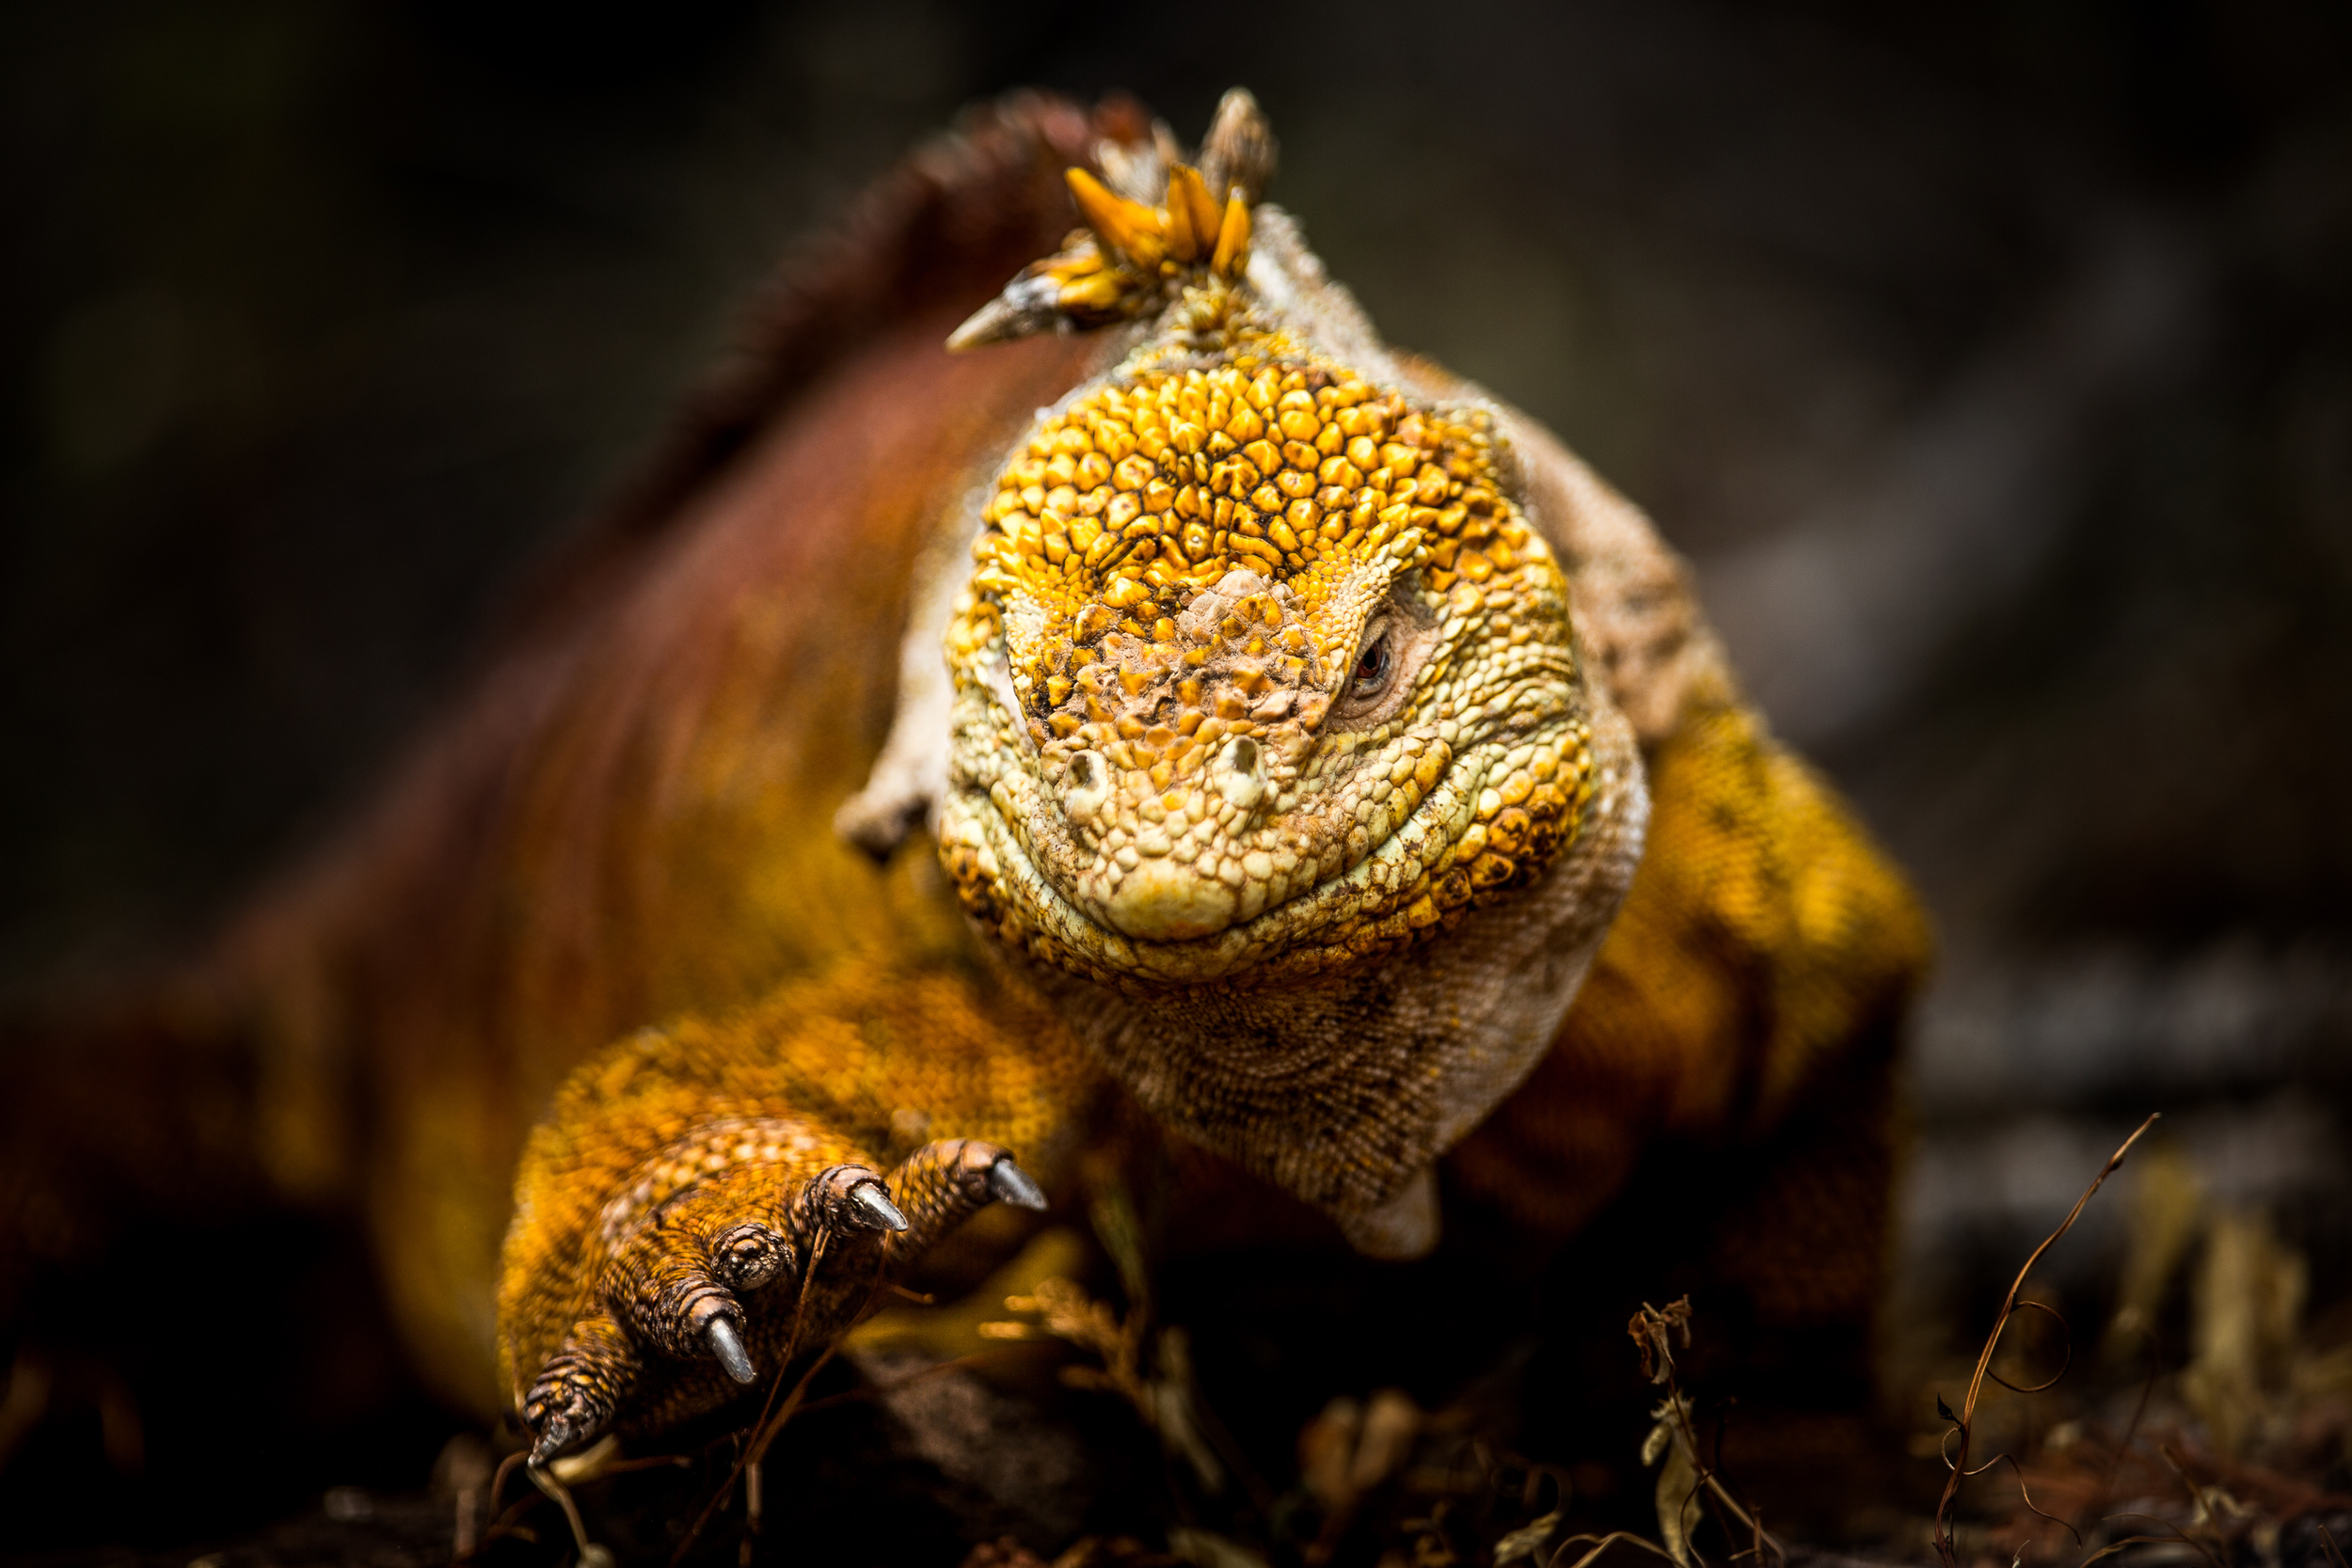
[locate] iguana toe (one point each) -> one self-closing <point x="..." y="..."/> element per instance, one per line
<point x="739" y="1268"/>
<point x="577" y="1392"/>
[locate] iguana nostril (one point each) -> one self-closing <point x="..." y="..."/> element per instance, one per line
<point x="1238" y="776"/>
<point x="1087" y="787"/>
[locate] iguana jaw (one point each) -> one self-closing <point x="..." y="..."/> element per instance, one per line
<point x="1334" y="925"/>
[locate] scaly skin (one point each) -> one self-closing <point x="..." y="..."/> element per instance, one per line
<point x="1297" y="819"/>
<point x="1273" y="775"/>
<point x="689" y="1174"/>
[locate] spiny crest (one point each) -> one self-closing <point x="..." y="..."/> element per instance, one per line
<point x="1158" y="224"/>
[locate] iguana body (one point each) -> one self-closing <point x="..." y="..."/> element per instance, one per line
<point x="1300" y="730"/>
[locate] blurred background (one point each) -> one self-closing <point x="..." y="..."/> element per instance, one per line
<point x="1992" y="365"/>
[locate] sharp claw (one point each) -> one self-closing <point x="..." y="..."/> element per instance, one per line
<point x="553" y="1439"/>
<point x="1013" y="1185"/>
<point x="875" y="1206"/>
<point x="729" y="1349"/>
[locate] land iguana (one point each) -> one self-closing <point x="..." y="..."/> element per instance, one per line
<point x="1320" y="769"/>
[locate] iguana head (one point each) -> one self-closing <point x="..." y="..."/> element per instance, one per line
<point x="1269" y="732"/>
<point x="1280" y="677"/>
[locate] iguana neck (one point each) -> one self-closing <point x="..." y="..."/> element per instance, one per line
<point x="1345" y="1090"/>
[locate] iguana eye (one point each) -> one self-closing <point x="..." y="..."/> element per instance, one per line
<point x="1375" y="667"/>
<point x="1389" y="654"/>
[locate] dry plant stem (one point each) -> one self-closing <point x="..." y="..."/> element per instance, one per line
<point x="1964" y="1422"/>
<point x="1759" y="1542"/>
<point x="1708" y="1482"/>
<point x="2131" y="1433"/>
<point x="1760" y="1539"/>
<point x="2178" y="1534"/>
<point x="2205" y="1508"/>
<point x="875" y="1391"/>
<point x="752" y="1454"/>
<point x="769" y="1426"/>
<point x="1530" y="1492"/>
<point x="2065" y="1362"/>
<point x="2333" y="1550"/>
<point x="498" y="1527"/>
<point x="503" y="1523"/>
<point x="498" y="1481"/>
<point x="2112" y="1548"/>
<point x="2032" y="1507"/>
<point x="1601" y="1543"/>
<point x="751" y="1514"/>
<point x="768" y="1433"/>
<point x="651" y="1461"/>
<point x="563" y="1496"/>
<point x="1221" y="1442"/>
<point x="1654" y="1331"/>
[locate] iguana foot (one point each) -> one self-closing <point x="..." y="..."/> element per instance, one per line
<point x="725" y="1257"/>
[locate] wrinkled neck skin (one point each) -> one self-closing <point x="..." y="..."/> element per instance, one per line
<point x="1344" y="1087"/>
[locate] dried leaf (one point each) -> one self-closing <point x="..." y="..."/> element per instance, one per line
<point x="2166" y="1209"/>
<point x="1326" y="1447"/>
<point x="1654" y="1333"/>
<point x="2247" y="1304"/>
<point x="1391" y="1420"/>
<point x="1655" y="1444"/>
<point x="1678" y="1503"/>
<point x="1527" y="1541"/>
<point x="1172" y="1398"/>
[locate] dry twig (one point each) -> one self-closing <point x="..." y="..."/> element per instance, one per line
<point x="1964" y="1422"/>
<point x="1686" y="1475"/>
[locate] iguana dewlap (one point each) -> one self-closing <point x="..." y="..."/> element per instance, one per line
<point x="1313" y="753"/>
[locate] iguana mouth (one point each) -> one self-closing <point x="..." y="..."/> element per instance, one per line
<point x="1320" y="928"/>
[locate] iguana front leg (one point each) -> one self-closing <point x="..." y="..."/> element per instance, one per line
<point x="729" y="1277"/>
<point x="707" y="1201"/>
